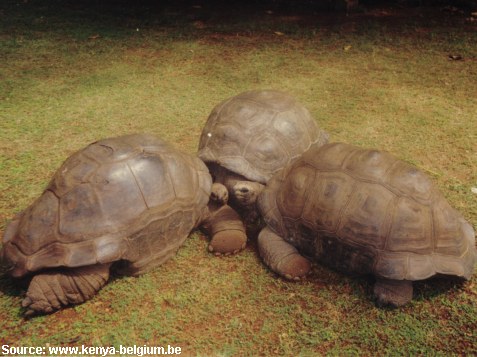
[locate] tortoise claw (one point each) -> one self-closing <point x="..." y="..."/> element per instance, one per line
<point x="26" y="302"/>
<point x="222" y="254"/>
<point x="29" y="313"/>
<point x="294" y="278"/>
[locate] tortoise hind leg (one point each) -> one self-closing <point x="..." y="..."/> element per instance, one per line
<point x="281" y="257"/>
<point x="52" y="290"/>
<point x="394" y="293"/>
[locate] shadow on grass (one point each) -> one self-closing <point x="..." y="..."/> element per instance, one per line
<point x="13" y="288"/>
<point x="17" y="287"/>
<point x="436" y="286"/>
<point x="118" y="19"/>
<point x="361" y="286"/>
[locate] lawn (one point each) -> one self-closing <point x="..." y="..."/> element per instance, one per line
<point x="72" y="72"/>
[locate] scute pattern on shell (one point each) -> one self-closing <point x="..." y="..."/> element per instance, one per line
<point x="133" y="198"/>
<point x="256" y="133"/>
<point x="366" y="211"/>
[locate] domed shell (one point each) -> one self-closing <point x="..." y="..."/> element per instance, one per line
<point x="365" y="211"/>
<point x="133" y="198"/>
<point x="256" y="133"/>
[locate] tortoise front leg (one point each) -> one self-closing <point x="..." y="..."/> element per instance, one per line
<point x="394" y="293"/>
<point x="219" y="195"/>
<point x="281" y="257"/>
<point x="52" y="290"/>
<point x="223" y="224"/>
<point x="226" y="230"/>
<point x="244" y="193"/>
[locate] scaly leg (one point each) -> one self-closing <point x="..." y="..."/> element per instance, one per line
<point x="393" y="293"/>
<point x="243" y="192"/>
<point x="281" y="257"/>
<point x="226" y="229"/>
<point x="219" y="195"/>
<point x="223" y="224"/>
<point x="52" y="290"/>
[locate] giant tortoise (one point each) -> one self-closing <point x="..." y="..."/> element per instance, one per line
<point x="130" y="200"/>
<point x="365" y="212"/>
<point x="249" y="137"/>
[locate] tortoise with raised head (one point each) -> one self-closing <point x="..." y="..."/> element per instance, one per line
<point x="365" y="212"/>
<point x="129" y="200"/>
<point x="249" y="137"/>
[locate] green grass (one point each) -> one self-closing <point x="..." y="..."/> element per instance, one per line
<point x="75" y="72"/>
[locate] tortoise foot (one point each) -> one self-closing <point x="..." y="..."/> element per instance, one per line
<point x="38" y="306"/>
<point x="393" y="293"/>
<point x="219" y="194"/>
<point x="227" y="231"/>
<point x="281" y="257"/>
<point x="294" y="267"/>
<point x="228" y="242"/>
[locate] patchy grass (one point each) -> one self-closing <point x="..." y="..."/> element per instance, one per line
<point x="75" y="72"/>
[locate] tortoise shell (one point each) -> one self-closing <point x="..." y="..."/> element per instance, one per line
<point x="364" y="211"/>
<point x="256" y="133"/>
<point x="131" y="198"/>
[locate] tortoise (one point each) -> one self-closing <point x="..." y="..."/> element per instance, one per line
<point x="363" y="211"/>
<point x="130" y="200"/>
<point x="249" y="137"/>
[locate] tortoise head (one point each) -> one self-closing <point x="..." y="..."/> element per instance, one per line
<point x="5" y="264"/>
<point x="9" y="257"/>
